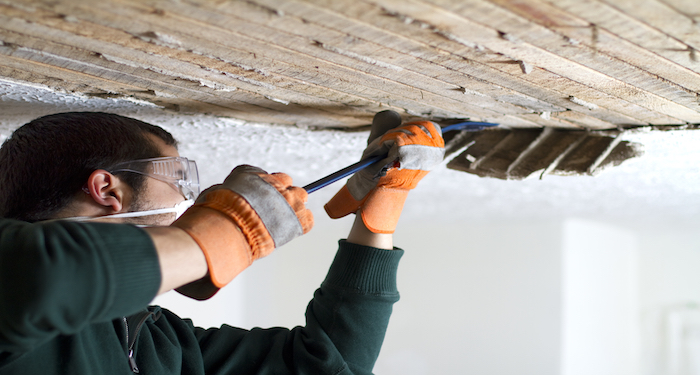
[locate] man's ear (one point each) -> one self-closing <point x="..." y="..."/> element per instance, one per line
<point x="106" y="189"/>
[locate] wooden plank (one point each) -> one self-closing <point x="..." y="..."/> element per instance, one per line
<point x="612" y="31"/>
<point x="157" y="96"/>
<point x="568" y="36"/>
<point x="558" y="122"/>
<point x="246" y="78"/>
<point x="64" y="59"/>
<point x="370" y="75"/>
<point x="72" y="81"/>
<point x="483" y="22"/>
<point x="581" y="120"/>
<point x="95" y="33"/>
<point x="689" y="8"/>
<point x="309" y="14"/>
<point x="366" y="61"/>
<point x="581" y="82"/>
<point x="367" y="22"/>
<point x="403" y="67"/>
<point x="331" y="75"/>
<point x="152" y="60"/>
<point x="671" y="20"/>
<point x="477" y="62"/>
<point x="257" y="52"/>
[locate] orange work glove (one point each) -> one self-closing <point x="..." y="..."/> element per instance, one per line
<point x="242" y="220"/>
<point x="379" y="191"/>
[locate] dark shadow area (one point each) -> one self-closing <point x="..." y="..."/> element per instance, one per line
<point x="515" y="154"/>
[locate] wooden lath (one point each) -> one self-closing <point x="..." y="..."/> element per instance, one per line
<point x="579" y="64"/>
<point x="517" y="154"/>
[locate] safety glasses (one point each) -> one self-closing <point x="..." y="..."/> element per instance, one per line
<point x="178" y="171"/>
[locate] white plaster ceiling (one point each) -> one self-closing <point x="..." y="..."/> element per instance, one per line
<point x="662" y="187"/>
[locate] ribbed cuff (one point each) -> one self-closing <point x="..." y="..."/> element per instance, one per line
<point x="136" y="270"/>
<point x="365" y="269"/>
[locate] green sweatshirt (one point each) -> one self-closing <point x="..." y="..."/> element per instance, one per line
<point x="73" y="300"/>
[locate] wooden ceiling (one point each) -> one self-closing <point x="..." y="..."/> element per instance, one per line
<point x="592" y="64"/>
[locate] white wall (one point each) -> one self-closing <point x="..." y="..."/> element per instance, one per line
<point x="600" y="300"/>
<point x="567" y="297"/>
<point x="670" y="285"/>
<point x="474" y="298"/>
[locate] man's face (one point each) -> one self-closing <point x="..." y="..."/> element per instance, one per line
<point x="156" y="194"/>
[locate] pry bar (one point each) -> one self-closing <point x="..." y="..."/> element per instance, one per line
<point x="364" y="163"/>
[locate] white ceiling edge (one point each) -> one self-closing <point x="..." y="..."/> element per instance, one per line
<point x="661" y="188"/>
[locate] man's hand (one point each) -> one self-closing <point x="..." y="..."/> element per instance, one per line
<point x="242" y="220"/>
<point x="378" y="192"/>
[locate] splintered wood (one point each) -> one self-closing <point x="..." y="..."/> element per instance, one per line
<point x="517" y="154"/>
<point x="569" y="64"/>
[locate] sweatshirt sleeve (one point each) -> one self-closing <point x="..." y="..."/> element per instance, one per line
<point x="58" y="277"/>
<point x="345" y="324"/>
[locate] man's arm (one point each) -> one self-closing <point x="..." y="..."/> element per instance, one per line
<point x="242" y="220"/>
<point x="181" y="260"/>
<point x="345" y="324"/>
<point x="57" y="278"/>
<point x="360" y="235"/>
<point x="377" y="193"/>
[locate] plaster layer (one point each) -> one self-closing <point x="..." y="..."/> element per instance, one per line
<point x="662" y="186"/>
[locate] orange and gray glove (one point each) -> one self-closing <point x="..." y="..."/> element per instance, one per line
<point x="378" y="192"/>
<point x="242" y="220"/>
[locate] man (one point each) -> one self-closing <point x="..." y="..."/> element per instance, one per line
<point x="74" y="290"/>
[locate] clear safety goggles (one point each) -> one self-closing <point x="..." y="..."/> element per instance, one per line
<point x="178" y="171"/>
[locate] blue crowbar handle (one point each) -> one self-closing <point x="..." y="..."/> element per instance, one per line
<point x="364" y="163"/>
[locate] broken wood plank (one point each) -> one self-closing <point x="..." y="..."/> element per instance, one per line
<point x="505" y="153"/>
<point x="543" y="153"/>
<point x="521" y="153"/>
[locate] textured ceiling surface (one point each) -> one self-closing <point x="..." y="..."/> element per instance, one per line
<point x="660" y="188"/>
<point x="593" y="64"/>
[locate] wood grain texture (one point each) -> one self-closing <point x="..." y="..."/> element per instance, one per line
<point x="576" y="64"/>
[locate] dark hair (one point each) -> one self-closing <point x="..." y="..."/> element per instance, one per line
<point x="44" y="163"/>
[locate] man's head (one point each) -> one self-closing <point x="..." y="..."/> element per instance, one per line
<point x="49" y="164"/>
